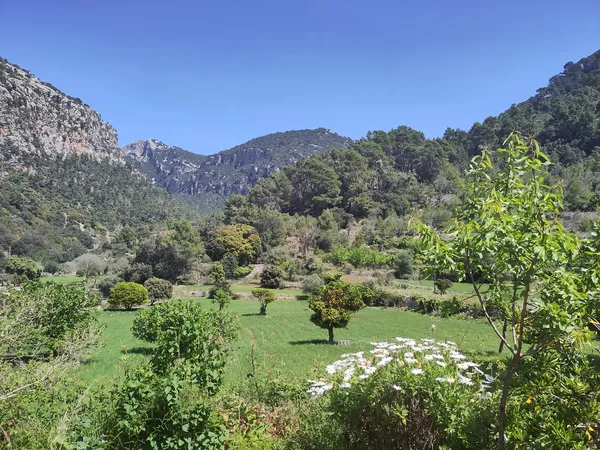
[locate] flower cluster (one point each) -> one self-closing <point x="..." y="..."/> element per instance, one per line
<point x="413" y="355"/>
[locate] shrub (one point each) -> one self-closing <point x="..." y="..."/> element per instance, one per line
<point x="451" y="307"/>
<point x="407" y="395"/>
<point x="217" y="273"/>
<point x="137" y="273"/>
<point x="158" y="289"/>
<point x="128" y="294"/>
<point x="427" y="304"/>
<point x="230" y="264"/>
<point x="265" y="296"/>
<point x="107" y="283"/>
<point x="443" y="284"/>
<point x="24" y="269"/>
<point x="403" y="263"/>
<point x="271" y="277"/>
<point x="312" y="283"/>
<point x="242" y="271"/>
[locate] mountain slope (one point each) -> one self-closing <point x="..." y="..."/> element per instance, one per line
<point x="63" y="182"/>
<point x="231" y="171"/>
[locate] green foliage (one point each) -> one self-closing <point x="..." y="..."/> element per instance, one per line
<point x="242" y="241"/>
<point x="443" y="284"/>
<point x="158" y="289"/>
<point x="182" y="330"/>
<point x="506" y="234"/>
<point x="264" y="296"/>
<point x="229" y="263"/>
<point x="164" y="405"/>
<point x="242" y="271"/>
<point x="222" y="298"/>
<point x="137" y="273"/>
<point x="217" y="273"/>
<point x="106" y="284"/>
<point x="403" y="263"/>
<point x="333" y="305"/>
<point x="360" y="257"/>
<point x="127" y="294"/>
<point x="23" y="269"/>
<point x="271" y="277"/>
<point x="312" y="283"/>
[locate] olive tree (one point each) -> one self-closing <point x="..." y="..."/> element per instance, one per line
<point x="508" y="243"/>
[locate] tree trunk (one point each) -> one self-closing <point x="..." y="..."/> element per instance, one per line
<point x="504" y="400"/>
<point x="504" y="328"/>
<point x="330" y="329"/>
<point x="263" y="309"/>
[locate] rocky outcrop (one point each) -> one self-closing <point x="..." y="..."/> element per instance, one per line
<point x="35" y="117"/>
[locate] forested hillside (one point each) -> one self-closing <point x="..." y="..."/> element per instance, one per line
<point x="400" y="170"/>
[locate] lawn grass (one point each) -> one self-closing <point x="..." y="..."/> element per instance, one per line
<point x="286" y="341"/>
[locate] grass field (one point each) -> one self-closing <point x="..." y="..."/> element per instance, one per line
<point x="286" y="341"/>
<point x="63" y="279"/>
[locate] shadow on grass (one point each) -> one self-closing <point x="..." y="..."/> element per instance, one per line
<point x="253" y="314"/>
<point x="312" y="342"/>
<point x="302" y="297"/>
<point x="131" y="310"/>
<point x="146" y="351"/>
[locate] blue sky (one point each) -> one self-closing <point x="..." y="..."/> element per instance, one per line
<point x="207" y="75"/>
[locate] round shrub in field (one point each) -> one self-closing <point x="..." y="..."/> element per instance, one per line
<point x="158" y="289"/>
<point x="128" y="294"/>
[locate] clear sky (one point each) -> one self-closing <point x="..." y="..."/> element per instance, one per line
<point x="207" y="75"/>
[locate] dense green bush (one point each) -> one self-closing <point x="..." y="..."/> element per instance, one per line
<point x="106" y="284"/>
<point x="271" y="277"/>
<point x="23" y="269"/>
<point x="137" y="273"/>
<point x="230" y="264"/>
<point x="403" y="263"/>
<point x="443" y="284"/>
<point x="221" y="297"/>
<point x="158" y="289"/>
<point x="242" y="271"/>
<point x="127" y="295"/>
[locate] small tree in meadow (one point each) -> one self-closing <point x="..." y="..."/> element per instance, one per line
<point x="334" y="304"/>
<point x="128" y="294"/>
<point x="222" y="298"/>
<point x="264" y="296"/>
<point x="158" y="289"/>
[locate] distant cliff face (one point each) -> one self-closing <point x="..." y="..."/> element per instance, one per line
<point x="232" y="171"/>
<point x="35" y="117"/>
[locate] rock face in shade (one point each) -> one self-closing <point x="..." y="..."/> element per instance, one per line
<point x="37" y="118"/>
<point x="231" y="171"/>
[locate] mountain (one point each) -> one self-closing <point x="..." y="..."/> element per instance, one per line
<point x="64" y="186"/>
<point x="37" y="118"/>
<point x="232" y="171"/>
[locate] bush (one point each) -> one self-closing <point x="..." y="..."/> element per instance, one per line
<point x="137" y="273"/>
<point x="106" y="284"/>
<point x="404" y="395"/>
<point x="443" y="284"/>
<point x="271" y="277"/>
<point x="158" y="289"/>
<point x="230" y="264"/>
<point x="128" y="294"/>
<point x="427" y="304"/>
<point x="242" y="271"/>
<point x="451" y="307"/>
<point x="403" y="263"/>
<point x="312" y="283"/>
<point x="221" y="298"/>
